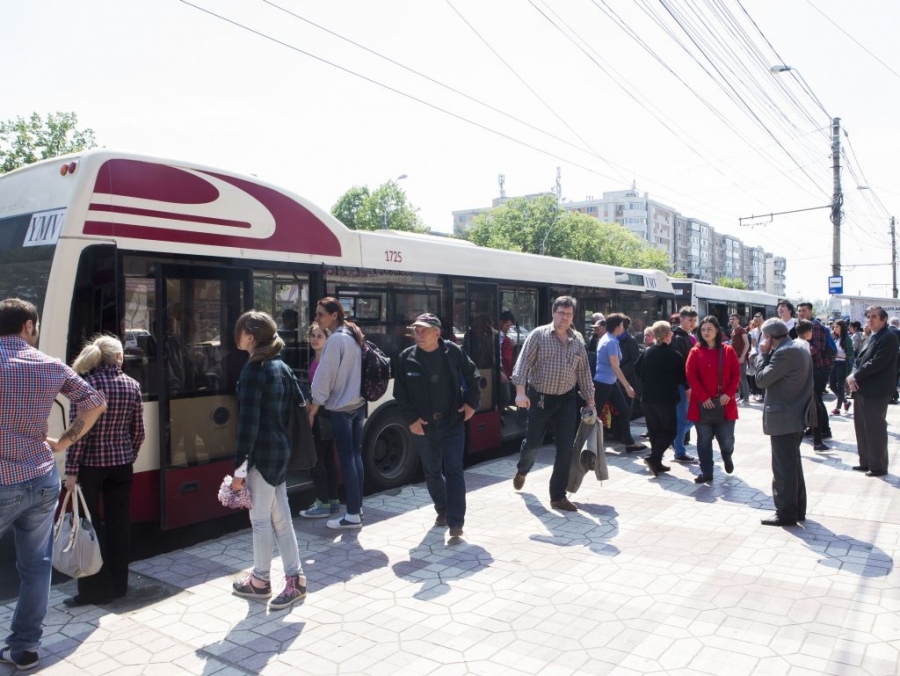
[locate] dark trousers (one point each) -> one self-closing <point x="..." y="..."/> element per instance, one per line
<point x="836" y="381"/>
<point x="348" y="435"/>
<point x="442" y="449"/>
<point x="870" y="421"/>
<point x="325" y="473"/>
<point x="560" y="414"/>
<point x="662" y="426"/>
<point x="612" y="393"/>
<point x="113" y="484"/>
<point x="820" y="381"/>
<point x="788" y="486"/>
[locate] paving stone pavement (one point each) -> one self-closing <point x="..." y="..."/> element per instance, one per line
<point x="652" y="576"/>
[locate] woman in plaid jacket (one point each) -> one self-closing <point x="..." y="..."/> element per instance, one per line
<point x="101" y="463"/>
<point x="267" y="389"/>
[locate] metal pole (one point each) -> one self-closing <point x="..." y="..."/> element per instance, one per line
<point x="837" y="200"/>
<point x="894" y="255"/>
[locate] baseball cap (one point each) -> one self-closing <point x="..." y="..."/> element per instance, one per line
<point x="427" y="320"/>
<point x="598" y="319"/>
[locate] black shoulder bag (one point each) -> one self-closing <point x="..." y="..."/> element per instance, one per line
<point x="715" y="416"/>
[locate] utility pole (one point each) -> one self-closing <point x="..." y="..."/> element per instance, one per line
<point x="837" y="200"/>
<point x="894" y="255"/>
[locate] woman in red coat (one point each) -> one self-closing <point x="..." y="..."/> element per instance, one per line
<point x="703" y="378"/>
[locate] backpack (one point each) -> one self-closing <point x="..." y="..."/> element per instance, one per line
<point x="376" y="372"/>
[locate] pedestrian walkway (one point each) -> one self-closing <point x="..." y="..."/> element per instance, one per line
<point x="652" y="576"/>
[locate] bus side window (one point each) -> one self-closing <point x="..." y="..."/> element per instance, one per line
<point x="94" y="299"/>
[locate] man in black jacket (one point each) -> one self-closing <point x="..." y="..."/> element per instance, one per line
<point x="436" y="388"/>
<point x="874" y="381"/>
<point x="682" y="344"/>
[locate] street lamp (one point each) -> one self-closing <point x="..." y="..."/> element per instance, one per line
<point x="385" y="222"/>
<point x="837" y="198"/>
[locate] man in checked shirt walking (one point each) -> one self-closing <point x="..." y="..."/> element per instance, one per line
<point x="552" y="367"/>
<point x="29" y="481"/>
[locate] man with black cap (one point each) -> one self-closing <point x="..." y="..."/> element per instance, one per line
<point x="785" y="370"/>
<point x="436" y="388"/>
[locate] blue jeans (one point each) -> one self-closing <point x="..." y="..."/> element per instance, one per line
<point x="270" y="518"/>
<point x="28" y="509"/>
<point x="442" y="449"/>
<point x="561" y="414"/>
<point x="724" y="434"/>
<point x="348" y="435"/>
<point x="684" y="425"/>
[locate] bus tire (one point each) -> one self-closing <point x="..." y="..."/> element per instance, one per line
<point x="389" y="458"/>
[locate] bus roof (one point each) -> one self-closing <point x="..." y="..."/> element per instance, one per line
<point x="145" y="203"/>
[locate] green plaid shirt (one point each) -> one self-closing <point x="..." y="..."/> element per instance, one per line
<point x="266" y="391"/>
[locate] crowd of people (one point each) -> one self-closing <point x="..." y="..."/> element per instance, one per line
<point x="686" y="378"/>
<point x="685" y="374"/>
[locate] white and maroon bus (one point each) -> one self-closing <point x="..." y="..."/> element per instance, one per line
<point x="167" y="254"/>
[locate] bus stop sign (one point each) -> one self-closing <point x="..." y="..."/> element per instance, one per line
<point x="835" y="285"/>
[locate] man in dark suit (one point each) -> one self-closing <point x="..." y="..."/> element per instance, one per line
<point x="874" y="381"/>
<point x="784" y="369"/>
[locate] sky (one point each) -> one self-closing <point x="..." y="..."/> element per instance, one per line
<point x="614" y="93"/>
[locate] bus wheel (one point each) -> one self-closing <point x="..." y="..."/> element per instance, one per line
<point x="389" y="458"/>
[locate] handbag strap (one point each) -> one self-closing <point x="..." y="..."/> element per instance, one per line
<point x="79" y="497"/>
<point x="721" y="360"/>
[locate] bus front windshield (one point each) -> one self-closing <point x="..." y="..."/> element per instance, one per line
<point x="24" y="270"/>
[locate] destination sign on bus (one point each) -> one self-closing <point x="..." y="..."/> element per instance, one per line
<point x="44" y="228"/>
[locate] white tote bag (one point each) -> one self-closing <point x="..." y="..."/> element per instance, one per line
<point x="76" y="549"/>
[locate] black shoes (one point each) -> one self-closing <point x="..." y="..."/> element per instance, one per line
<point x="861" y="468"/>
<point x="777" y="522"/>
<point x="703" y="479"/>
<point x="870" y="473"/>
<point x="78" y="601"/>
<point x="729" y="464"/>
<point x="635" y="447"/>
<point x="652" y="466"/>
<point x="821" y="447"/>
<point x="20" y="659"/>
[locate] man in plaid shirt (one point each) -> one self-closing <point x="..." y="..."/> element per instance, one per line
<point x="29" y="481"/>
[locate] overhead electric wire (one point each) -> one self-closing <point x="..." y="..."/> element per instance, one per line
<point x="724" y="81"/>
<point x="438" y="82"/>
<point x="857" y="42"/>
<point x="668" y="31"/>
<point x="519" y="77"/>
<point x="605" y="67"/>
<point x="396" y="91"/>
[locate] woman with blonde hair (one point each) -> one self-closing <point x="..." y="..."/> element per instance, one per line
<point x="661" y="370"/>
<point x="101" y="463"/>
<point x="267" y="389"/>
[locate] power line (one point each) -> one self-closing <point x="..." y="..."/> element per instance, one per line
<point x="435" y="81"/>
<point x="519" y="77"/>
<point x="396" y="91"/>
<point x="857" y="42"/>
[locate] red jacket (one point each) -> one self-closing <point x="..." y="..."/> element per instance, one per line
<point x="703" y="378"/>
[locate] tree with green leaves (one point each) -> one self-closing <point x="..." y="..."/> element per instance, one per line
<point x="540" y="226"/>
<point x="25" y="141"/>
<point x="361" y="209"/>
<point x="732" y="282"/>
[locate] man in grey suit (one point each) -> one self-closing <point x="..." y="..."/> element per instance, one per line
<point x="784" y="370"/>
<point x="874" y="381"/>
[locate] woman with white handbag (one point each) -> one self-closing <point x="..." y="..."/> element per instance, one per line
<point x="101" y="464"/>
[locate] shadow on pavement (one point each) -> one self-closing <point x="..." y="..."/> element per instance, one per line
<point x="435" y="562"/>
